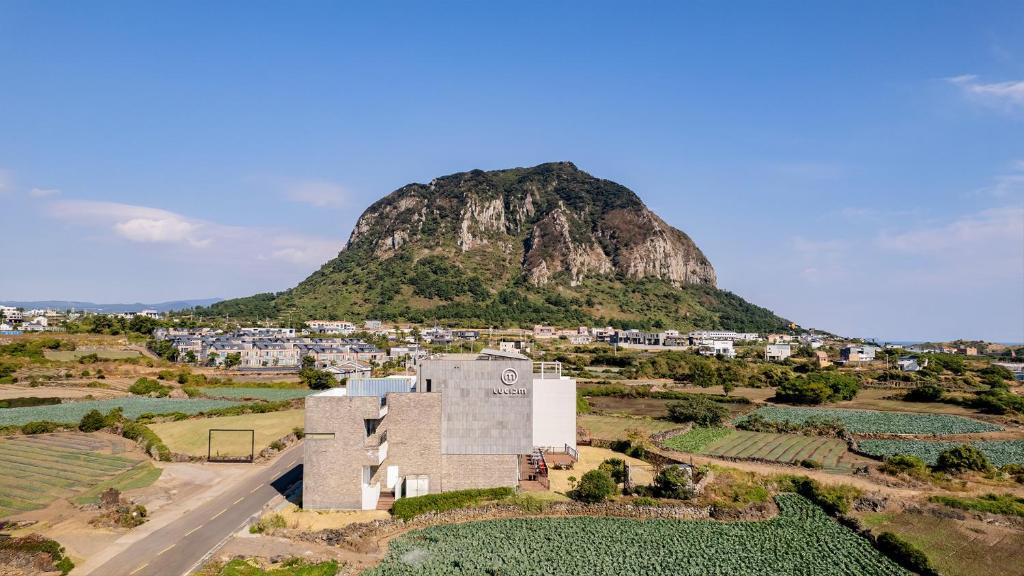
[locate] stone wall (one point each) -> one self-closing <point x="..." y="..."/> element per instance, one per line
<point x="465" y="471"/>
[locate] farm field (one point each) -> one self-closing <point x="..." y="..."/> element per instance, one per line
<point x="801" y="540"/>
<point x="74" y="355"/>
<point x="72" y="412"/>
<point x="962" y="547"/>
<point x="192" y="436"/>
<point x="999" y="452"/>
<point x="650" y="407"/>
<point x="40" y="469"/>
<point x="831" y="453"/>
<point x="271" y="394"/>
<point x="14" y="391"/>
<point x="879" y="399"/>
<point x="615" y="427"/>
<point x="868" y="421"/>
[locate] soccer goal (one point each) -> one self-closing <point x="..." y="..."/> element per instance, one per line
<point x="231" y="445"/>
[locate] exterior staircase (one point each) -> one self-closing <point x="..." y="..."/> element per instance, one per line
<point x="385" y="501"/>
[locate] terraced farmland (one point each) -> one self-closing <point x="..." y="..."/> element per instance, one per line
<point x="801" y="540"/>
<point x="72" y="412"/>
<point x="870" y="421"/>
<point x="999" y="452"/>
<point x="831" y="453"/>
<point x="271" y="394"/>
<point x="40" y="469"/>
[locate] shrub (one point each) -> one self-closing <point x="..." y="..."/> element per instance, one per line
<point x="644" y="501"/>
<point x="149" y="440"/>
<point x="905" y="554"/>
<point x="616" y="468"/>
<point x="1015" y="471"/>
<point x="904" y="464"/>
<point x="299" y="432"/>
<point x="277" y="445"/>
<point x="90" y="358"/>
<point x="192" y="391"/>
<point x="146" y="387"/>
<point x="1007" y="504"/>
<point x="833" y="499"/>
<point x="92" y="421"/>
<point x="674" y="482"/>
<point x="810" y="463"/>
<point x="818" y="388"/>
<point x="927" y="392"/>
<point x="407" y="508"/>
<point x="963" y="458"/>
<point x="595" y="486"/>
<point x="39" y="427"/>
<point x="269" y="522"/>
<point x="701" y="411"/>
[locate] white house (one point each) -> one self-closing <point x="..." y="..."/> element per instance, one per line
<point x="777" y="352"/>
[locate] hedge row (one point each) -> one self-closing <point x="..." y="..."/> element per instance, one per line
<point x="407" y="508"/>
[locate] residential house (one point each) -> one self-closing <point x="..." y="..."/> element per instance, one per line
<point x="777" y="352"/>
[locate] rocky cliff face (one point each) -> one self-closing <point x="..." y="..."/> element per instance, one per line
<point x="554" y="221"/>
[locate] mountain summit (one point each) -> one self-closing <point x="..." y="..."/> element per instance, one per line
<point x="549" y="243"/>
<point x="551" y="222"/>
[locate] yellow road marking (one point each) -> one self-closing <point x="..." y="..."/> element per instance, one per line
<point x="165" y="549"/>
<point x="139" y="568"/>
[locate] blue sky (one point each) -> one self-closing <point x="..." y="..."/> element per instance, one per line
<point x="855" y="166"/>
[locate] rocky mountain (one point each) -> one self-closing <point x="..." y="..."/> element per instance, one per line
<point x="549" y="243"/>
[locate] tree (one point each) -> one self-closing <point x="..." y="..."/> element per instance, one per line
<point x="674" y="482"/>
<point x="818" y="388"/>
<point x="190" y="357"/>
<point x="92" y="421"/>
<point x="233" y="359"/>
<point x="703" y="374"/>
<point x="595" y="486"/>
<point x="211" y="359"/>
<point x="962" y="458"/>
<point x="697" y="409"/>
<point x="926" y="392"/>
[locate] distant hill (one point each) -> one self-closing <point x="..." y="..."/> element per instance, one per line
<point x="93" y="307"/>
<point x="547" y="244"/>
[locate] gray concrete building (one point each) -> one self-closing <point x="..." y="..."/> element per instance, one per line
<point x="466" y="421"/>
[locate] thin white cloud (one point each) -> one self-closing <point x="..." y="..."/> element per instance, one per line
<point x="1010" y="184"/>
<point x="202" y="238"/>
<point x="318" y="193"/>
<point x="997" y="232"/>
<point x="43" y="192"/>
<point x="1007" y="95"/>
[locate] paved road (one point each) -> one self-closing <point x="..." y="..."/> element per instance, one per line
<point x="175" y="549"/>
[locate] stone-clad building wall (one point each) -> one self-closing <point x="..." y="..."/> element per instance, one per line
<point x="465" y="471"/>
<point x="333" y="466"/>
<point x="482" y="413"/>
<point x="414" y="438"/>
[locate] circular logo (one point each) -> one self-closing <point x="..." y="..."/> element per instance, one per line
<point x="509" y="376"/>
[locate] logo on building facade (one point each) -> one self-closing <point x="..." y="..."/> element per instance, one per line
<point x="509" y="376"/>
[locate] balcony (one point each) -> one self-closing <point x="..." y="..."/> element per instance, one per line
<point x="544" y="370"/>
<point x="377" y="448"/>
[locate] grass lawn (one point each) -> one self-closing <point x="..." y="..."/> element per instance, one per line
<point x="73" y="355"/>
<point x="191" y="436"/>
<point x="615" y="427"/>
<point x="295" y="567"/>
<point x="590" y="459"/>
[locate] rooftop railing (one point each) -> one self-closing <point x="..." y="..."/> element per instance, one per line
<point x="547" y="370"/>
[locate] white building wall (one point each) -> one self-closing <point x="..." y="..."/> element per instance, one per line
<point x="554" y="412"/>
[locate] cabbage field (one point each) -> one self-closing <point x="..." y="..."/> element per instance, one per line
<point x="873" y="422"/>
<point x="134" y="407"/>
<point x="999" y="452"/>
<point x="802" y="540"/>
<point x="271" y="394"/>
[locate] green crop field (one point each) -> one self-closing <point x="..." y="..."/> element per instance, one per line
<point x="40" y="469"/>
<point x="870" y="421"/>
<point x="999" y="452"/>
<point x="831" y="453"/>
<point x="272" y="394"/>
<point x="697" y="439"/>
<point x="134" y="407"/>
<point x="802" y="540"/>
